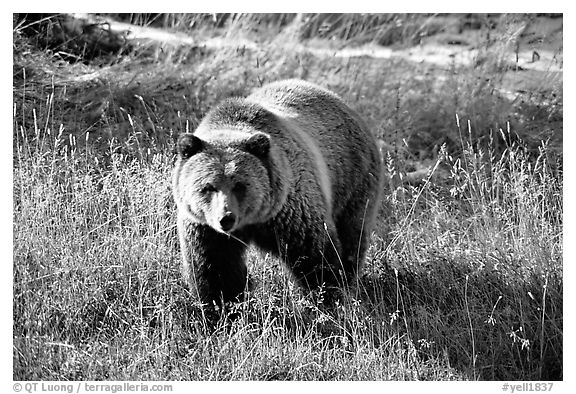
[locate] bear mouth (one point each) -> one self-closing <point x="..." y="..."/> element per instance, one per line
<point x="228" y="231"/>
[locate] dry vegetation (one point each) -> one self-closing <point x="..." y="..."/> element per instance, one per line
<point x="464" y="275"/>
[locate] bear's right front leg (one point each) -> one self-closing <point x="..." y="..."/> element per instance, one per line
<point x="212" y="263"/>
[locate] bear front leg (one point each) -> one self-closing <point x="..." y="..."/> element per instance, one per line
<point x="313" y="256"/>
<point x="212" y="263"/>
<point x="317" y="262"/>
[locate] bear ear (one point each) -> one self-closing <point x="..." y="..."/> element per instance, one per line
<point x="188" y="145"/>
<point x="258" y="144"/>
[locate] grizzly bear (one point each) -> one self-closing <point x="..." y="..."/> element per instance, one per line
<point x="290" y="169"/>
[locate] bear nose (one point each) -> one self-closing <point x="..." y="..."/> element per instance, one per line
<point x="228" y="221"/>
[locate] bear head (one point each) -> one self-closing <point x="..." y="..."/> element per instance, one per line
<point x="222" y="179"/>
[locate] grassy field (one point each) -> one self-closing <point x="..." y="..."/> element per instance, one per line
<point x="463" y="278"/>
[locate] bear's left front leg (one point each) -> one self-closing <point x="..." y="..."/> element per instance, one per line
<point x="212" y="263"/>
<point x="312" y="252"/>
<point x="317" y="261"/>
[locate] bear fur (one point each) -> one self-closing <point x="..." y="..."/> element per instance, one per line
<point x="291" y="169"/>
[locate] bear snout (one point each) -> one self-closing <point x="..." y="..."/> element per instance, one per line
<point x="228" y="221"/>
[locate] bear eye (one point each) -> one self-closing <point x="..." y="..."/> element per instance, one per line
<point x="239" y="187"/>
<point x="209" y="188"/>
